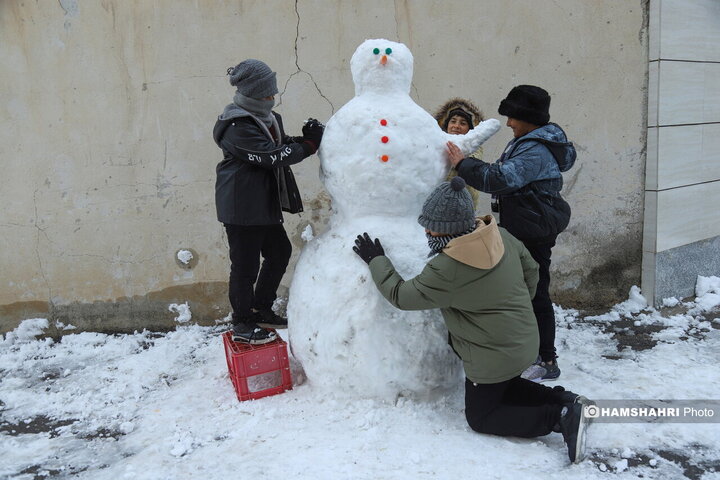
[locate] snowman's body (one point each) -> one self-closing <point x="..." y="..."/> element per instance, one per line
<point x="381" y="156"/>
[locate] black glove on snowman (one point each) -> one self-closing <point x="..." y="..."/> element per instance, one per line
<point x="367" y="249"/>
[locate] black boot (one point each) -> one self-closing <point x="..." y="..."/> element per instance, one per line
<point x="249" y="332"/>
<point x="573" y="426"/>
<point x="269" y="319"/>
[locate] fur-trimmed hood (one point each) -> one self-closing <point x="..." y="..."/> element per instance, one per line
<point x="441" y="115"/>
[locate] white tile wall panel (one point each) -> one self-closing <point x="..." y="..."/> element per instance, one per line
<point x="651" y="163"/>
<point x="650" y="222"/>
<point x="686" y="215"/>
<point x="653" y="81"/>
<point x="689" y="30"/>
<point x="686" y="155"/>
<point x="689" y="92"/>
<point x="654" y="30"/>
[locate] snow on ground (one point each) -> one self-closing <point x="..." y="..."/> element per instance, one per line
<point x="161" y="406"/>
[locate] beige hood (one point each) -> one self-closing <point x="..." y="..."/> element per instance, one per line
<point x="483" y="248"/>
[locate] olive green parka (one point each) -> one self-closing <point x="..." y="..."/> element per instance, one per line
<point x="483" y="283"/>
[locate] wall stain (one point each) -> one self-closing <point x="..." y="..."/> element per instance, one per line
<point x="618" y="268"/>
<point x="207" y="300"/>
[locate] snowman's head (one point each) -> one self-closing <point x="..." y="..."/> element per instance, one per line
<point x="381" y="66"/>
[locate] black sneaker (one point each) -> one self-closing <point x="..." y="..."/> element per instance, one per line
<point x="542" y="371"/>
<point x="573" y="426"/>
<point x="252" y="334"/>
<point x="270" y="319"/>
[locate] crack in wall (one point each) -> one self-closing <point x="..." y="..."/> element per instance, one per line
<point x="37" y="249"/>
<point x="299" y="69"/>
<point x="397" y="22"/>
<point x="70" y="7"/>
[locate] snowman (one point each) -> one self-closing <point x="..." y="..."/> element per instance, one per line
<point x="381" y="156"/>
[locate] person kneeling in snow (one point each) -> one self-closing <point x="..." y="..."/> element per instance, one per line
<point x="483" y="280"/>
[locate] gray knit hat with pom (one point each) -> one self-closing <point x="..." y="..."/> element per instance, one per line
<point x="253" y="78"/>
<point x="449" y="208"/>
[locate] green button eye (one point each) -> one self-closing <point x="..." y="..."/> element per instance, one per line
<point x="388" y="50"/>
<point x="376" y="51"/>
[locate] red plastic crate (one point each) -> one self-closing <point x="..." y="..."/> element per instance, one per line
<point x="245" y="361"/>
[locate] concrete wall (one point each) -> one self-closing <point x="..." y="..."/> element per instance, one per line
<point x="108" y="160"/>
<point x="682" y="190"/>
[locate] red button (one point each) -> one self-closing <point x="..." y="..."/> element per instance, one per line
<point x="383" y="122"/>
<point x="384" y="139"/>
<point x="384" y="158"/>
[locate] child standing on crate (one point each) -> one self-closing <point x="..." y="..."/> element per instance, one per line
<point x="254" y="186"/>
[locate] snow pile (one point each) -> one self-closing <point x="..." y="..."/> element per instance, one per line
<point x="183" y="311"/>
<point x="26" y="331"/>
<point x="307" y="233"/>
<point x="381" y="156"/>
<point x="61" y="326"/>
<point x="707" y="290"/>
<point x="635" y="303"/>
<point x="670" y="302"/>
<point x="150" y="406"/>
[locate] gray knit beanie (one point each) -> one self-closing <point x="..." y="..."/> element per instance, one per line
<point x="449" y="208"/>
<point x="253" y="79"/>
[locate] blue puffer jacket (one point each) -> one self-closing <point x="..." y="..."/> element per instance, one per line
<point x="526" y="181"/>
<point x="524" y="161"/>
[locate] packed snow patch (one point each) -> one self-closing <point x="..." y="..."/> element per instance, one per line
<point x="707" y="290"/>
<point x="183" y="311"/>
<point x="307" y="233"/>
<point x="26" y="331"/>
<point x="185" y="256"/>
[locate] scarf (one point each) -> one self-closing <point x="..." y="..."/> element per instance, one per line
<point x="437" y="244"/>
<point x="234" y="110"/>
<point x="260" y="109"/>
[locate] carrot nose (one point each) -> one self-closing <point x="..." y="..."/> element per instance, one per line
<point x="383" y="60"/>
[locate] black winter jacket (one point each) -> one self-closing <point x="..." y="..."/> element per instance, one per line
<point x="254" y="182"/>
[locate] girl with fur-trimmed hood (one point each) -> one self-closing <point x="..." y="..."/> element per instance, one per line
<point x="458" y="116"/>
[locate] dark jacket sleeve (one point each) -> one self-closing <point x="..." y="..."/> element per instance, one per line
<point x="522" y="168"/>
<point x="245" y="141"/>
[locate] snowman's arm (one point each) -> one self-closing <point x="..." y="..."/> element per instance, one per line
<point x="470" y="142"/>
<point x="431" y="289"/>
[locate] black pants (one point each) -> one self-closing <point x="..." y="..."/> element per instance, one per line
<point x="247" y="289"/>
<point x="542" y="304"/>
<point x="515" y="407"/>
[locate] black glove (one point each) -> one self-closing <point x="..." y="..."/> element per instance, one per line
<point x="366" y="249"/>
<point x="313" y="132"/>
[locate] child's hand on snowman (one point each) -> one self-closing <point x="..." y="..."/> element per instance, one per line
<point x="313" y="132"/>
<point x="367" y="249"/>
<point x="454" y="154"/>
